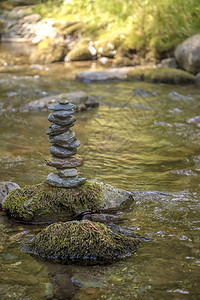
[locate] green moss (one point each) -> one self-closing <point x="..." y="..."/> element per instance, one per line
<point x="123" y="62"/>
<point x="161" y="75"/>
<point x="161" y="45"/>
<point x="79" y="53"/>
<point x="48" y="51"/>
<point x="74" y="29"/>
<point x="133" y="42"/>
<point x="82" y="243"/>
<point x="44" y="203"/>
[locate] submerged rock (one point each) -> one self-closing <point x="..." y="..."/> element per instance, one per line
<point x="83" y="243"/>
<point x="144" y="94"/>
<point x="195" y="120"/>
<point x="177" y="96"/>
<point x="45" y="203"/>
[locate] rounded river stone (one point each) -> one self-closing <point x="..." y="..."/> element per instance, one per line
<point x="55" y="180"/>
<point x="57" y="129"/>
<point x="62" y="163"/>
<point x="68" y="144"/>
<point x="63" y="100"/>
<point x="67" y="172"/>
<point x="63" y="122"/>
<point x="62" y="114"/>
<point x="61" y="152"/>
<point x="58" y="106"/>
<point x="68" y="136"/>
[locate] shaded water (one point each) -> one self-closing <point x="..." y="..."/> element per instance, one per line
<point x="144" y="145"/>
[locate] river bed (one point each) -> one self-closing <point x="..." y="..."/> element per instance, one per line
<point x="142" y="144"/>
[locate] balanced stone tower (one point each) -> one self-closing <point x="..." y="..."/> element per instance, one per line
<point x="64" y="146"/>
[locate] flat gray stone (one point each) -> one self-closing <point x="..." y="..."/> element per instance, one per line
<point x="62" y="114"/>
<point x="61" y="152"/>
<point x="61" y="139"/>
<point x="56" y="129"/>
<point x="62" y="122"/>
<point x="57" y="181"/>
<point x="67" y="172"/>
<point x="106" y="75"/>
<point x="58" y="106"/>
<point x="63" y="163"/>
<point x="68" y="144"/>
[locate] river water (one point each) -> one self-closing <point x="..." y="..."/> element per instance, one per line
<point x="142" y="144"/>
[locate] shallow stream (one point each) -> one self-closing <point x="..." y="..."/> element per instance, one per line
<point x="142" y="144"/>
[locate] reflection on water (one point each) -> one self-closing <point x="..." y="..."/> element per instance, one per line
<point x="141" y="144"/>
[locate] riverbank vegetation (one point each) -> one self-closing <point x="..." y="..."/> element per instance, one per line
<point x="150" y="25"/>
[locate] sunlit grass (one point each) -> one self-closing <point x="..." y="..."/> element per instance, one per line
<point x="160" y="24"/>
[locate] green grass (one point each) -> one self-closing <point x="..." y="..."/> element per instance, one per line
<point x="145" y="24"/>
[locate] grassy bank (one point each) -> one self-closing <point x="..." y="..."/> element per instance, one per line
<point x="137" y="25"/>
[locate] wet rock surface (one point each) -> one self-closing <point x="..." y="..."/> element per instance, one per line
<point x="46" y="203"/>
<point x="78" y="98"/>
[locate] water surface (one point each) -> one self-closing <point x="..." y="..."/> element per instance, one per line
<point x="144" y="145"/>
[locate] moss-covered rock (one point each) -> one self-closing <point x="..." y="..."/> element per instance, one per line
<point x="48" y="51"/>
<point x="43" y="203"/>
<point x="162" y="46"/>
<point x="85" y="243"/>
<point x="79" y="53"/>
<point x="125" y="61"/>
<point x="73" y="29"/>
<point x="161" y="75"/>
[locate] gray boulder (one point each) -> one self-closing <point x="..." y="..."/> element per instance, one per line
<point x="79" y="98"/>
<point x="5" y="188"/>
<point x="109" y="74"/>
<point x="188" y="54"/>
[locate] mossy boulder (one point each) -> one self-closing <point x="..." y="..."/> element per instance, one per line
<point x="126" y="61"/>
<point x="163" y="47"/>
<point x="84" y="243"/>
<point x="80" y="53"/>
<point x="49" y="51"/>
<point x="73" y="28"/>
<point x="161" y="75"/>
<point x="44" y="203"/>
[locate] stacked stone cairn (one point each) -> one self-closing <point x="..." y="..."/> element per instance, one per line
<point x="64" y="146"/>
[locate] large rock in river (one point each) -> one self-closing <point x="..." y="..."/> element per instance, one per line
<point x="85" y="243"/>
<point x="109" y="74"/>
<point x="188" y="54"/>
<point x="45" y="203"/>
<point x="79" y="98"/>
